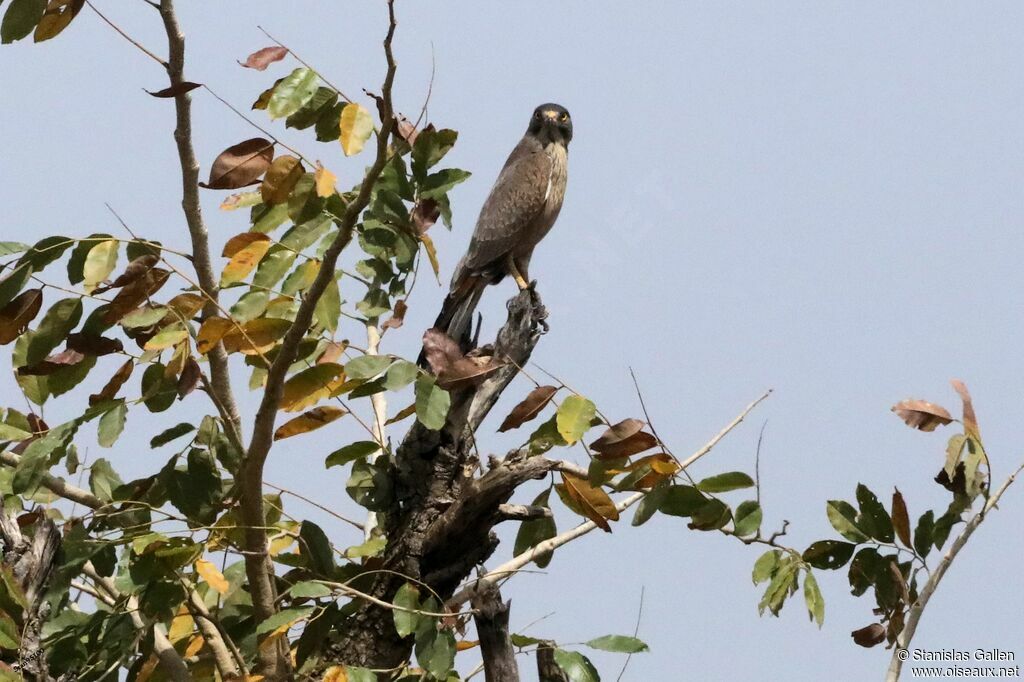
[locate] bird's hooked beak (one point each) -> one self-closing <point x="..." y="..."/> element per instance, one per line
<point x="551" y="115"/>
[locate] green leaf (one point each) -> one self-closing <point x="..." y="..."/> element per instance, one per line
<point x="250" y="305"/>
<point x="12" y="284"/>
<point x="143" y="317"/>
<point x="829" y="554"/>
<point x="573" y="417"/>
<point x="369" y="486"/>
<point x="843" y="516"/>
<point x="309" y="590"/>
<point x="681" y="500"/>
<point x="440" y="183"/>
<point x="577" y="666"/>
<point x="429" y="148"/>
<point x="873" y="519"/>
<point x="619" y="644"/>
<point x="782" y="584"/>
<point x="723" y="483"/>
<point x="166" y="436"/>
<point x="535" y="531"/>
<point x="400" y="375"/>
<point x="10" y="638"/>
<point x="360" y="674"/>
<point x="34" y="463"/>
<point x="649" y="504"/>
<point x="712" y="515"/>
<point x="367" y="366"/>
<point x="292" y="93"/>
<point x="317" y="549"/>
<point x="815" y="602"/>
<point x="11" y="248"/>
<point x="112" y="424"/>
<point x="322" y="100"/>
<point x="45" y="251"/>
<point x="328" y="128"/>
<point x="99" y="263"/>
<point x="747" y="519"/>
<point x="8" y="432"/>
<point x="765" y="566"/>
<point x="351" y="452"/>
<point x="407" y="597"/>
<point x="923" y="533"/>
<point x="158" y="392"/>
<point x="435" y="649"/>
<point x="328" y="308"/>
<point x="21" y="18"/>
<point x="432" y="403"/>
<point x="283" y="617"/>
<point x="863" y="570"/>
<point x="103" y="480"/>
<point x="58" y="322"/>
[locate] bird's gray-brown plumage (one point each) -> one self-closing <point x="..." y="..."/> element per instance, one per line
<point x="520" y="210"/>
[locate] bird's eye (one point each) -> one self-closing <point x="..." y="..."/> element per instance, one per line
<point x="536" y="115"/>
<point x="563" y="117"/>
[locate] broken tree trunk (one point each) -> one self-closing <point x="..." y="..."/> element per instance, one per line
<point x="440" y="523"/>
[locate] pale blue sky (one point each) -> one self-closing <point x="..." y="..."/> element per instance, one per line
<point x="818" y="197"/>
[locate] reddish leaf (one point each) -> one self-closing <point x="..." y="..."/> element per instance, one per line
<point x="397" y="318"/>
<point x="241" y="164"/>
<point x="264" y="57"/>
<point x="900" y="518"/>
<point x="53" y="363"/>
<point x="134" y="270"/>
<point x="529" y="408"/>
<point x="90" y="344"/>
<point x="109" y="391"/>
<point x="406" y="130"/>
<point x="175" y="90"/>
<point x="36" y="424"/>
<point x="922" y="415"/>
<point x="970" y="420"/>
<point x="190" y="375"/>
<point x="425" y="214"/>
<point x="15" y="316"/>
<point x="623" y="440"/>
<point x="870" y="635"/>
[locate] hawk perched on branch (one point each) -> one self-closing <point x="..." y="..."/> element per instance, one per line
<point x="518" y="213"/>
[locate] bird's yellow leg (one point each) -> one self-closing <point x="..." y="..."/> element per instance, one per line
<point x="513" y="270"/>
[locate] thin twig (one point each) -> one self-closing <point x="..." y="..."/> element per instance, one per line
<point x="124" y="35"/>
<point x="636" y="630"/>
<point x="306" y="64"/>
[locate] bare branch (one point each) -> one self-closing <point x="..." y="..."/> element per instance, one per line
<point x="522" y="512"/>
<point x="516" y="563"/>
<point x="495" y="640"/>
<point x="896" y="663"/>
<point x="58" y="486"/>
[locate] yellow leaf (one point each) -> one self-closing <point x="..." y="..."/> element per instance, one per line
<point x="356" y="125"/>
<point x="281" y="543"/>
<point x="325" y="180"/>
<point x="194" y="645"/>
<point x="594" y="502"/>
<point x="428" y="244"/>
<point x="181" y="626"/>
<point x="466" y="644"/>
<point x="309" y="421"/>
<point x="336" y="673"/>
<point x="243" y="262"/>
<point x="167" y="338"/>
<point x="214" y="578"/>
<point x="310" y="386"/>
<point x="240" y="241"/>
<point x="280" y="179"/>
<point x="211" y="332"/>
<point x="256" y="335"/>
<point x="99" y="263"/>
<point x="183" y="307"/>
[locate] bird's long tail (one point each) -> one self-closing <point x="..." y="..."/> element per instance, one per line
<point x="456" y="316"/>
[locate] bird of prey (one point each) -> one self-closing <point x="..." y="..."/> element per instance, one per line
<point x="517" y="214"/>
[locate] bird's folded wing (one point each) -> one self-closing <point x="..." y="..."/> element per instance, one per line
<point x="515" y="202"/>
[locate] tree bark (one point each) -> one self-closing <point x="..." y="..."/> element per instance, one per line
<point x="440" y="523"/>
<point x="495" y="640"/>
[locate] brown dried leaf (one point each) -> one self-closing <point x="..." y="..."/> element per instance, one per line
<point x="969" y="418"/>
<point x="109" y="391"/>
<point x="175" y="90"/>
<point x="397" y="318"/>
<point x="240" y="241"/>
<point x="424" y="214"/>
<point x="870" y="635"/>
<point x="133" y="271"/>
<point x="57" y="17"/>
<point x="255" y="335"/>
<point x="16" y="315"/>
<point x="440" y="350"/>
<point x="332" y="351"/>
<point x="529" y="408"/>
<point x="190" y="375"/>
<point x="900" y="518"/>
<point x="132" y="295"/>
<point x="280" y="179"/>
<point x="309" y="421"/>
<point x="240" y="164"/>
<point x="594" y="502"/>
<point x="922" y="415"/>
<point x="623" y="440"/>
<point x="468" y="371"/>
<point x="404" y="413"/>
<point x="90" y="344"/>
<point x="52" y="363"/>
<point x="183" y="307"/>
<point x="264" y="57"/>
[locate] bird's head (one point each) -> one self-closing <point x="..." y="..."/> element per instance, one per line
<point x="551" y="123"/>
